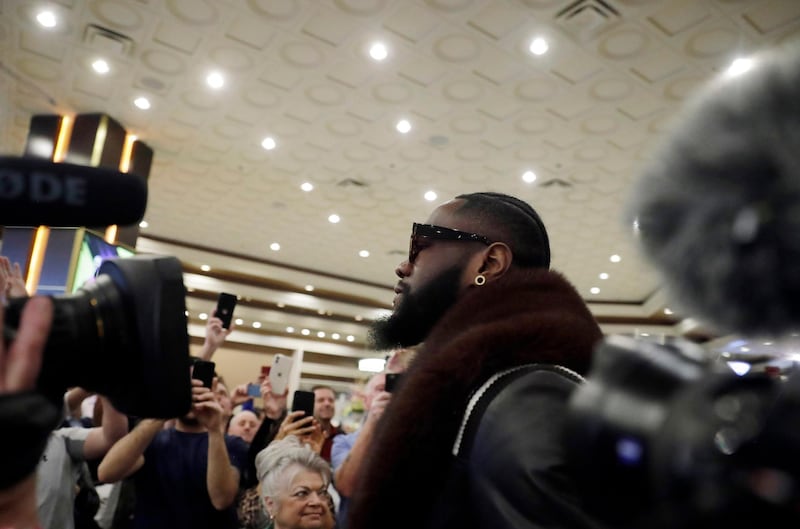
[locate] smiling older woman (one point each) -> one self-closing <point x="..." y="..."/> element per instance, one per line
<point x="294" y="483"/>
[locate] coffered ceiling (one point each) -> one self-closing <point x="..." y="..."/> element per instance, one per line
<point x="483" y="111"/>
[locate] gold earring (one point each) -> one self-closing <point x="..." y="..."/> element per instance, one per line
<point x="480" y="279"/>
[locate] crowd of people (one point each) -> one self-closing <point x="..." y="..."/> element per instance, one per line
<point x="491" y="343"/>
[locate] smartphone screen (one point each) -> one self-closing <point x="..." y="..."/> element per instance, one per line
<point x="392" y="380"/>
<point x="204" y="371"/>
<point x="303" y="400"/>
<point x="225" y="305"/>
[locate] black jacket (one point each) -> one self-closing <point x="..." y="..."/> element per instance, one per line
<point x="514" y="474"/>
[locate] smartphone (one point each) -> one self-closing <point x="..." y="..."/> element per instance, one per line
<point x="303" y="400"/>
<point x="279" y="373"/>
<point x="253" y="390"/>
<point x="392" y="379"/>
<point x="203" y="370"/>
<point x="225" y="305"/>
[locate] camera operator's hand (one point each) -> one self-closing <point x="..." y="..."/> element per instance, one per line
<point x="19" y="367"/>
<point x="274" y="405"/>
<point x="12" y="284"/>
<point x="205" y="406"/>
<point x="215" y="336"/>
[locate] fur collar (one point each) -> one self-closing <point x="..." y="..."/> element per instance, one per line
<point x="526" y="316"/>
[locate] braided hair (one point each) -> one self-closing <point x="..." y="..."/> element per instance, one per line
<point x="520" y="225"/>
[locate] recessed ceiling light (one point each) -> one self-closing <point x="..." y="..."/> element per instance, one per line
<point x="668" y="311"/>
<point x="142" y="103"/>
<point x="378" y="51"/>
<point x="615" y="258"/>
<point x="403" y="126"/>
<point x="205" y="268"/>
<point x="359" y="317"/>
<point x="321" y="312"/>
<point x="335" y="336"/>
<point x="256" y="324"/>
<point x="603" y="275"/>
<point x="239" y="321"/>
<point x="321" y="334"/>
<point x="307" y="186"/>
<point x="430" y="196"/>
<point x="363" y="253"/>
<point x="274" y="246"/>
<point x="594" y="290"/>
<point x="529" y="177"/>
<point x="101" y="66"/>
<point x="309" y="288"/>
<point x="371" y="365"/>
<point x="644" y="334"/>
<point x="744" y="349"/>
<point x="767" y="343"/>
<point x="538" y="46"/>
<point x="47" y="19"/>
<point x="203" y="316"/>
<point x="280" y="305"/>
<point x="351" y="338"/>
<point x="186" y="313"/>
<point x="144" y="224"/>
<point x="334" y="218"/>
<point x="215" y="80"/>
<point x="290" y="329"/>
<point x="305" y="332"/>
<point x="740" y="66"/>
<point x="268" y="143"/>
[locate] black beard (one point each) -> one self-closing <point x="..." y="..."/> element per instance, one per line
<point x="417" y="313"/>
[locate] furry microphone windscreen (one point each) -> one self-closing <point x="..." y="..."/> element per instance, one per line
<point x="718" y="208"/>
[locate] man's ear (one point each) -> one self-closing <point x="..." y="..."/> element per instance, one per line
<point x="496" y="260"/>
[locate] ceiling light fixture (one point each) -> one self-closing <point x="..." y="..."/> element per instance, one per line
<point x="309" y="288"/>
<point x="46" y="19"/>
<point x="740" y="66"/>
<point x="274" y="246"/>
<point x="307" y="186"/>
<point x="378" y="51"/>
<point x="615" y="258"/>
<point x="290" y="330"/>
<point x="529" y="177"/>
<point x="239" y="321"/>
<point x="603" y="276"/>
<point x="403" y="126"/>
<point x="538" y="46"/>
<point x="351" y="338"/>
<point x="371" y="365"/>
<point x="144" y="224"/>
<point x="101" y="66"/>
<point x="305" y="332"/>
<point x="321" y="334"/>
<point x="203" y="316"/>
<point x="142" y="103"/>
<point x="430" y="196"/>
<point x="363" y="253"/>
<point x="256" y="324"/>
<point x="215" y="80"/>
<point x="205" y="268"/>
<point x="668" y="312"/>
<point x="594" y="290"/>
<point x="335" y="336"/>
<point x="334" y="218"/>
<point x="268" y="143"/>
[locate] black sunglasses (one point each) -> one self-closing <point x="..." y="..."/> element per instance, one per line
<point x="431" y="231"/>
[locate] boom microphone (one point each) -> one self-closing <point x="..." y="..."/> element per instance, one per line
<point x="718" y="210"/>
<point x="35" y="191"/>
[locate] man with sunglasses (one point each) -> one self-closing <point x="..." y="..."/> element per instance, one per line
<point x="473" y="436"/>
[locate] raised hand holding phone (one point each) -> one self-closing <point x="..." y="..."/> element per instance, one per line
<point x="279" y="373"/>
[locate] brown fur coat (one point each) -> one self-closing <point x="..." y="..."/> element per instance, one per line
<point x="525" y="317"/>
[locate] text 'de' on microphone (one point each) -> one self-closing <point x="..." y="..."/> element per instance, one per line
<point x="718" y="208"/>
<point x="37" y="192"/>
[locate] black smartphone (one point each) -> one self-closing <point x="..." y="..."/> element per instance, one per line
<point x="392" y="379"/>
<point x="203" y="371"/>
<point x="303" y="400"/>
<point x="225" y="305"/>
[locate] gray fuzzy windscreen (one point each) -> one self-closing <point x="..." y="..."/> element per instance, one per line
<point x="718" y="209"/>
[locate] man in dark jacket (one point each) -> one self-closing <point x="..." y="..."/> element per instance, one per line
<point x="473" y="437"/>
